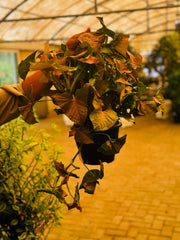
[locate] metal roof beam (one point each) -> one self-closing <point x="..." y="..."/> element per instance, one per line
<point x="64" y="39"/>
<point x="72" y="20"/>
<point x="147" y="14"/>
<point x="12" y="10"/>
<point x="92" y="14"/>
<point x="95" y="6"/>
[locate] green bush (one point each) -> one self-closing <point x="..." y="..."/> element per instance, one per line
<point x="26" y="165"/>
<point x="32" y="182"/>
<point x="164" y="58"/>
<point x="172" y="92"/>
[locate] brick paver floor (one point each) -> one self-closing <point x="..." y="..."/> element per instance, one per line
<point x="139" y="197"/>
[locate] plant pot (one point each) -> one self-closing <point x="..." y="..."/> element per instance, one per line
<point x="90" y="153"/>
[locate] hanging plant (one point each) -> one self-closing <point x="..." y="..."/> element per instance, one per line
<point x="96" y="82"/>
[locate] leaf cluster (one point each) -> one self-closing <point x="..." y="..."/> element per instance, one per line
<point x="95" y="77"/>
<point x="24" y="210"/>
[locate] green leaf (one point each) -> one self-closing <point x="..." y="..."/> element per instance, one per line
<point x="15" y="207"/>
<point x="19" y="230"/>
<point x="141" y="88"/>
<point x="40" y="65"/>
<point x="14" y="222"/>
<point x="63" y="68"/>
<point x="73" y="175"/>
<point x="63" y="47"/>
<point x="59" y="193"/>
<point x="60" y="54"/>
<point x="24" y="66"/>
<point x="128" y="102"/>
<point x="92" y="81"/>
<point x="90" y="180"/>
<point x="86" y="46"/>
<point x="103" y="120"/>
<point x="106" y="50"/>
<point x="112" y="147"/>
<point x="123" y="81"/>
<point x="23" y="236"/>
<point x="3" y="206"/>
<point x="104" y="29"/>
<point x="159" y="91"/>
<point x="93" y="175"/>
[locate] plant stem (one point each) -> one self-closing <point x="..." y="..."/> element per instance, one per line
<point x="72" y="161"/>
<point x="67" y="81"/>
<point x="86" y="166"/>
<point x="73" y="85"/>
<point x="103" y="134"/>
<point x="69" y="190"/>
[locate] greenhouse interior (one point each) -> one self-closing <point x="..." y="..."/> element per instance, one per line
<point x="90" y="120"/>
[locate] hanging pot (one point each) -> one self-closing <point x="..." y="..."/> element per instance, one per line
<point x="90" y="153"/>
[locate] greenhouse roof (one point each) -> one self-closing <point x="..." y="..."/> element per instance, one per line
<point x="28" y="24"/>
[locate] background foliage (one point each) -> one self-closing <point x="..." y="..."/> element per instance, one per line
<point x="25" y="211"/>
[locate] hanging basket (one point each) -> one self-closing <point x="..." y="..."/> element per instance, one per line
<point x="89" y="152"/>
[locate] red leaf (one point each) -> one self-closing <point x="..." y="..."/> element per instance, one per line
<point x="122" y="44"/>
<point x="90" y="60"/>
<point x="75" y="109"/>
<point x="60" y="168"/>
<point x="93" y="39"/>
<point x="47" y="176"/>
<point x="63" y="193"/>
<point x="73" y="41"/>
<point x="122" y="67"/>
<point x="136" y="61"/>
<point x="83" y="136"/>
<point x="89" y="187"/>
<point x="41" y="227"/>
<point x="27" y="114"/>
<point x="74" y="205"/>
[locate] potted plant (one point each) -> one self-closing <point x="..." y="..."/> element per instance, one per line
<point x="96" y="85"/>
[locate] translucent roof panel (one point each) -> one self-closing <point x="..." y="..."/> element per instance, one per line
<point x="27" y="24"/>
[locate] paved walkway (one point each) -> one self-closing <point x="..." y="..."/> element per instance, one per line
<point x="139" y="197"/>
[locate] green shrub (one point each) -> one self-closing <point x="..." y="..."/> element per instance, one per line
<point x="172" y="92"/>
<point x="32" y="182"/>
<point x="26" y="165"/>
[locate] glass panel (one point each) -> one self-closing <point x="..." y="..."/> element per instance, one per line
<point x="8" y="68"/>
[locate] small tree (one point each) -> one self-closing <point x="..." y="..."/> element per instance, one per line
<point x="164" y="58"/>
